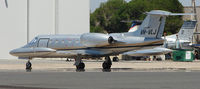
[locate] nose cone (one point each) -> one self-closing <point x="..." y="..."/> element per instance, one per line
<point x="14" y="52"/>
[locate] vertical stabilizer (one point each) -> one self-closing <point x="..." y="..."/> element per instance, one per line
<point x="154" y="23"/>
<point x="187" y="30"/>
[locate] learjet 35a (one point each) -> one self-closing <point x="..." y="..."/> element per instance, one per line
<point x="95" y="45"/>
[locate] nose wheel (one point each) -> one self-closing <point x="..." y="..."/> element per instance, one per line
<point x="28" y="65"/>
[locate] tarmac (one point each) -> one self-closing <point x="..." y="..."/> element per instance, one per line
<point x="59" y="74"/>
<point x="96" y="65"/>
<point x="99" y="80"/>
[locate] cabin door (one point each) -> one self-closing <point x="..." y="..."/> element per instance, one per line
<point x="43" y="42"/>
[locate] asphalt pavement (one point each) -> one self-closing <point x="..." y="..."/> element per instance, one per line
<point x="99" y="80"/>
<point x="59" y="74"/>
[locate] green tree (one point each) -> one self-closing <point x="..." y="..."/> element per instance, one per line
<point x="110" y="14"/>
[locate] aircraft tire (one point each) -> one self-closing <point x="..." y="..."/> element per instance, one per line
<point x="115" y="59"/>
<point x="106" y="65"/>
<point x="80" y="66"/>
<point x="28" y="65"/>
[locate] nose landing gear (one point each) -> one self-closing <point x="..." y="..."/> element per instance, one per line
<point x="28" y="66"/>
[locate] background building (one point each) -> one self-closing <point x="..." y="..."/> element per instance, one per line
<point x="40" y="17"/>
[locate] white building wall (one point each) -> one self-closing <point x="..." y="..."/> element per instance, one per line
<point x="12" y="27"/>
<point x="77" y="9"/>
<point x="73" y="19"/>
<point x="41" y="17"/>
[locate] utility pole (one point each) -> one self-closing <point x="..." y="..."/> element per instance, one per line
<point x="6" y="3"/>
<point x="28" y="13"/>
<point x="56" y="16"/>
<point x="194" y="10"/>
<point x="194" y="17"/>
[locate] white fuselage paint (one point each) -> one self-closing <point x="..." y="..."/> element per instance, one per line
<point x="71" y="46"/>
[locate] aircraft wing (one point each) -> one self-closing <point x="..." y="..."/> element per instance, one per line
<point x="149" y="52"/>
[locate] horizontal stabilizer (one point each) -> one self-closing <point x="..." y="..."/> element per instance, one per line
<point x="159" y="12"/>
<point x="182" y="14"/>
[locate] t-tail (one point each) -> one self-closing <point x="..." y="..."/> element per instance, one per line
<point x="154" y="23"/>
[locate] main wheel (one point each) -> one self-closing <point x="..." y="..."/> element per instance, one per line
<point x="80" y="66"/>
<point x="28" y="65"/>
<point x="115" y="59"/>
<point x="106" y="65"/>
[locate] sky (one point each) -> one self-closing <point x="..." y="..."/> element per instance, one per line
<point x="96" y="3"/>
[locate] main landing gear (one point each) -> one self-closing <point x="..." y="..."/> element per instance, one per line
<point x="80" y="66"/>
<point x="107" y="64"/>
<point x="115" y="59"/>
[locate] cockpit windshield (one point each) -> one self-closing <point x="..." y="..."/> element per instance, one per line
<point x="32" y="43"/>
<point x="34" y="40"/>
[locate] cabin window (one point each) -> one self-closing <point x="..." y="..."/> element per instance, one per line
<point x="56" y="41"/>
<point x="69" y="41"/>
<point x="77" y="41"/>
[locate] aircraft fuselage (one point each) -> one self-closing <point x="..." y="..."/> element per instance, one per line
<point x="50" y="46"/>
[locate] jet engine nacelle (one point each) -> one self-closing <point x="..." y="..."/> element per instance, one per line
<point x="96" y="39"/>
